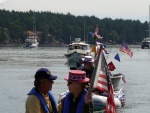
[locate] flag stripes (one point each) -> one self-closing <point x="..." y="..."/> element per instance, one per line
<point x="110" y="106"/>
<point x="125" y="49"/>
<point x="102" y="82"/>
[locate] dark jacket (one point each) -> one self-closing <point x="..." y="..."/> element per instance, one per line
<point x="74" y="102"/>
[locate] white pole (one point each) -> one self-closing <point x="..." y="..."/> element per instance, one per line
<point x="84" y="29"/>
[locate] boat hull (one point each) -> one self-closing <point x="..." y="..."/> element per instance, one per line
<point x="116" y="80"/>
<point x="100" y="102"/>
<point x="73" y="57"/>
<point x="31" y="46"/>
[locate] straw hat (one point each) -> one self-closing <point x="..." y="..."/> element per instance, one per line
<point x="88" y="59"/>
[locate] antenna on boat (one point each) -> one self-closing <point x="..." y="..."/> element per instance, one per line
<point x="84" y="29"/>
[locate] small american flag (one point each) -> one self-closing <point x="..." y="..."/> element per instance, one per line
<point x="125" y="49"/>
<point x="96" y="31"/>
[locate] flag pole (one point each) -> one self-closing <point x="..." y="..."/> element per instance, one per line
<point x="94" y="72"/>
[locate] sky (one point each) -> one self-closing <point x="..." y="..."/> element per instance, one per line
<point x="114" y="9"/>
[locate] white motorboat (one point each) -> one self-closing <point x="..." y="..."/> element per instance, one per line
<point x="32" y="40"/>
<point x="76" y="49"/>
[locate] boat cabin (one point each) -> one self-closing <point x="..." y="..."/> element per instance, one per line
<point x="77" y="46"/>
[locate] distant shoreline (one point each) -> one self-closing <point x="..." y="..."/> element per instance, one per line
<point x="117" y="45"/>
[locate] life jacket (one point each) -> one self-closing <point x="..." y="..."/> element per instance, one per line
<point x="35" y="92"/>
<point x="80" y="104"/>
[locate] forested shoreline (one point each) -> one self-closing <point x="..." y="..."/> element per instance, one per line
<point x="56" y="28"/>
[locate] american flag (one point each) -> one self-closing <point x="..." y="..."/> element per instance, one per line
<point x="110" y="105"/>
<point x="103" y="82"/>
<point x="96" y="31"/>
<point x="125" y="49"/>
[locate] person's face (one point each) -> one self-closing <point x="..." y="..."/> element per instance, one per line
<point x="87" y="64"/>
<point x="47" y="85"/>
<point x="73" y="86"/>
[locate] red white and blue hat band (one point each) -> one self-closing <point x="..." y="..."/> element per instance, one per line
<point x="77" y="76"/>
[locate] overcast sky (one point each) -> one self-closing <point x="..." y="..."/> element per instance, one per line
<point x="124" y="9"/>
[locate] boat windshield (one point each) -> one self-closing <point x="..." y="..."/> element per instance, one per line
<point x="82" y="47"/>
<point x="146" y="43"/>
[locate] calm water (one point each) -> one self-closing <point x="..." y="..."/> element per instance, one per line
<point x="18" y="66"/>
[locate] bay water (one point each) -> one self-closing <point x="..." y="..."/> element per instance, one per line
<point x="18" y="66"/>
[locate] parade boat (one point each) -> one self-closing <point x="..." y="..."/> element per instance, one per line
<point x="100" y="100"/>
<point x="104" y="85"/>
<point x="76" y="49"/>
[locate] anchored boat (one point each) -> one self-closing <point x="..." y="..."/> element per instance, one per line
<point x="32" y="40"/>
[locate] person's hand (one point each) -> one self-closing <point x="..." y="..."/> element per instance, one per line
<point x="88" y="97"/>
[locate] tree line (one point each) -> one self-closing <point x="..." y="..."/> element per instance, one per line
<point x="56" y="28"/>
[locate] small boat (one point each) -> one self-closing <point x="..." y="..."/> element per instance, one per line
<point x="32" y="40"/>
<point x="76" y="49"/>
<point x="145" y="43"/>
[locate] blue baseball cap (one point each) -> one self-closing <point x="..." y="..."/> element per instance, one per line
<point x="44" y="73"/>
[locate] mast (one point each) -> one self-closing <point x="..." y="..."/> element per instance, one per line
<point x="34" y="23"/>
<point x="84" y="29"/>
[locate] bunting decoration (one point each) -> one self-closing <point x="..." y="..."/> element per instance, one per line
<point x="111" y="66"/>
<point x="95" y="34"/>
<point x="92" y="34"/>
<point x="103" y="47"/>
<point x="117" y="57"/>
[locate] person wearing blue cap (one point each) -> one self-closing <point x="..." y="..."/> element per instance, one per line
<point x="40" y="99"/>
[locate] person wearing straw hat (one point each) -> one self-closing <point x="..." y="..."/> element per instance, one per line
<point x="77" y="100"/>
<point x="40" y="99"/>
<point x="88" y="66"/>
<point x="79" y="63"/>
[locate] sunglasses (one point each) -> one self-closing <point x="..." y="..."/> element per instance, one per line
<point x="69" y="82"/>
